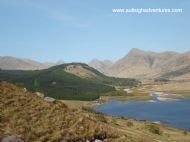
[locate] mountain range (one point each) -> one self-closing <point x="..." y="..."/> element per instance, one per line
<point x="147" y="64"/>
<point x="136" y="64"/>
<point x="13" y="63"/>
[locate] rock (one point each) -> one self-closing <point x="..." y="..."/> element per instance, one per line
<point x="49" y="100"/>
<point x="41" y="95"/>
<point x="123" y="137"/>
<point x="157" y="122"/>
<point x="12" y="139"/>
<point x="128" y="90"/>
<point x="24" y="90"/>
<point x="87" y="115"/>
<point x="81" y="128"/>
<point x="54" y="83"/>
<point x="97" y="140"/>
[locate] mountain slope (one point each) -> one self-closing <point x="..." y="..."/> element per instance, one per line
<point x="68" y="81"/>
<point x="146" y="64"/>
<point x="13" y="63"/>
<point x="101" y="66"/>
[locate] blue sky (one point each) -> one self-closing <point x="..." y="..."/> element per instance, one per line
<point x="80" y="30"/>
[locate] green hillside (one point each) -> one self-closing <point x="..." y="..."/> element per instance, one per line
<point x="60" y="84"/>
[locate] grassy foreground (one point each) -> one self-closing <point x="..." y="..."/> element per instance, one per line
<point x="29" y="117"/>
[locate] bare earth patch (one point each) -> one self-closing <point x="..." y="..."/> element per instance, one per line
<point x="79" y="71"/>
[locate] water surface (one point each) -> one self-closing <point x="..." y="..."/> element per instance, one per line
<point x="175" y="113"/>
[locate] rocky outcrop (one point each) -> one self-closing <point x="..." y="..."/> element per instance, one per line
<point x="49" y="100"/>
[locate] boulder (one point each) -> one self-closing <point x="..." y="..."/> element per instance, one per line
<point x="49" y="100"/>
<point x="39" y="94"/>
<point x="11" y="139"/>
<point x="24" y="90"/>
<point x="97" y="140"/>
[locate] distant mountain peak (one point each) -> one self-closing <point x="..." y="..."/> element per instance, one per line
<point x="14" y="63"/>
<point x="136" y="50"/>
<point x="94" y="60"/>
<point x="60" y="62"/>
<point x="139" y="51"/>
<point x="147" y="64"/>
<point x="101" y="66"/>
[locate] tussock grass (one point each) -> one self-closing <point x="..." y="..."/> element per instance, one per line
<point x="153" y="128"/>
<point x="33" y="119"/>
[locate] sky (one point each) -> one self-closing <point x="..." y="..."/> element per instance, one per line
<point x="81" y="30"/>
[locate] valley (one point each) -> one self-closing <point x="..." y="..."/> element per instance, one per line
<point x="94" y="71"/>
<point x="76" y="102"/>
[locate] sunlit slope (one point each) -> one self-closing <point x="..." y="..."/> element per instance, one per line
<point x="28" y="116"/>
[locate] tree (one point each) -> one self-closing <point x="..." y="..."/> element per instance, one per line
<point x="36" y="83"/>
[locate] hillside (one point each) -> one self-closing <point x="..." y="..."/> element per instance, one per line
<point x="146" y="64"/>
<point x="13" y="63"/>
<point x="68" y="81"/>
<point x="28" y="117"/>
